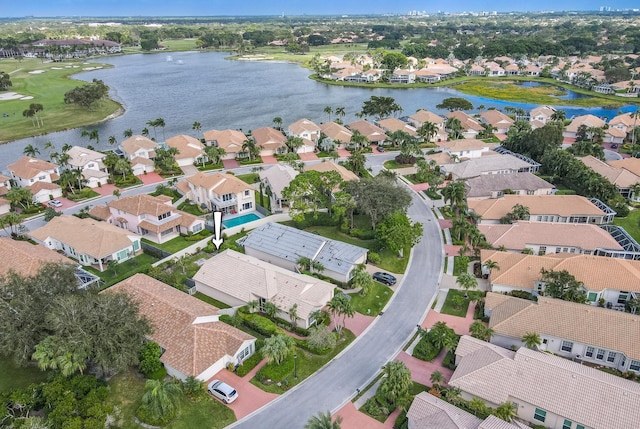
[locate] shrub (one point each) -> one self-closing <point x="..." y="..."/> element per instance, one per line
<point x="248" y="364"/>
<point x="321" y="339"/>
<point x="276" y="372"/>
<point x="363" y="234"/>
<point x="374" y="258"/>
<point x="145" y="416"/>
<point x="260" y="324"/>
<point x="196" y="237"/>
<point x="565" y="192"/>
<point x="150" y="358"/>
<point x="521" y="294"/>
<point x="449" y="360"/>
<point x="425" y="351"/>
<point x="406" y="159"/>
<point x="159" y="374"/>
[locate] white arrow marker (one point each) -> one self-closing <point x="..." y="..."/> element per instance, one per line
<point x="217" y="223"/>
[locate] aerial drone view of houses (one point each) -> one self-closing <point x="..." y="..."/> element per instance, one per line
<point x="502" y="246"/>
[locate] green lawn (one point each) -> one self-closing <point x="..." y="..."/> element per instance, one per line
<point x="47" y="88"/>
<point x="249" y="178"/>
<point x="127" y="389"/>
<point x="307" y="364"/>
<point x="373" y="302"/>
<point x="460" y="265"/>
<point x="212" y="301"/>
<point x="17" y="377"/>
<point x="191" y="208"/>
<point x="449" y="308"/>
<point x="392" y="164"/>
<point x="176" y="244"/>
<point x="124" y="269"/>
<point x="172" y="193"/>
<point x="631" y="223"/>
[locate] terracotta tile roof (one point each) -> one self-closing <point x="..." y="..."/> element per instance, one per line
<point x="615" y="132"/>
<point x="25" y="258"/>
<point x="624" y="119"/>
<point x="559" y="386"/>
<point x="497" y="118"/>
<point x="427" y="412"/>
<point x="39" y="186"/>
<point x="440" y="158"/>
<point x="630" y="164"/>
<point x="620" y="177"/>
<point x="371" y="131"/>
<point x="229" y="140"/>
<point x="465" y="144"/>
<point x="492" y="422"/>
<point x="597" y="273"/>
<point x="395" y="124"/>
<point x="220" y="183"/>
<point x="486" y="165"/>
<point x="336" y="132"/>
<point x="268" y="138"/>
<point x="303" y="125"/>
<point x="100" y="212"/>
<point x="522" y="233"/>
<point x="4" y="178"/>
<point x="322" y="167"/>
<point x="423" y="116"/>
<point x="140" y="160"/>
<point x="81" y="156"/>
<point x="184" y="326"/>
<point x="582" y="323"/>
<point x="559" y="205"/>
<point x="87" y="236"/>
<point x="137" y="142"/>
<point x="468" y="123"/>
<point x="142" y="204"/>
<point x="588" y="120"/>
<point x="546" y="111"/>
<point x="28" y="168"/>
<point x="486" y="184"/>
<point x="189" y="147"/>
<point x="247" y="278"/>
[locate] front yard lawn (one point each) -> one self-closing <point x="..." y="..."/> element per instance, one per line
<point x="449" y="306"/>
<point x="172" y="193"/>
<point x="392" y="164"/>
<point x="630" y="223"/>
<point x="249" y="178"/>
<point x="13" y="376"/>
<point x="373" y="302"/>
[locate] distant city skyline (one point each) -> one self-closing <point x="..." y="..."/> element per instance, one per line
<point x="98" y="8"/>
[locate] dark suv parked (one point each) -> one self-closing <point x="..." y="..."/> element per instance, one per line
<point x="385" y="278"/>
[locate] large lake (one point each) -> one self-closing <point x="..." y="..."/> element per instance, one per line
<point x="221" y="94"/>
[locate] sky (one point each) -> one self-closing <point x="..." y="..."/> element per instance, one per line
<point x="45" y="8"/>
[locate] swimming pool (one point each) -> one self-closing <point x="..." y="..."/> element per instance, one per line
<point x="249" y="217"/>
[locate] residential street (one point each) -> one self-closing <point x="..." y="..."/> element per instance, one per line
<point x="336" y="384"/>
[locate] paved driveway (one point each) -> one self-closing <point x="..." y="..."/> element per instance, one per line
<point x="334" y="385"/>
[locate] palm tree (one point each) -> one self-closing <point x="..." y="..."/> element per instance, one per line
<point x="162" y="399"/>
<point x="294" y="143"/>
<point x="362" y="279"/>
<point x="196" y="126"/>
<point x="356" y="162"/>
<point x="214" y="153"/>
<point x="29" y="113"/>
<point x="455" y="194"/>
<point x="395" y="384"/>
<point x="31" y="150"/>
<point x="358" y="139"/>
<point x="480" y="331"/>
<point x="145" y="132"/>
<point x="340" y="112"/>
<point x="427" y="131"/>
<point x="160" y="123"/>
<point x="277" y="122"/>
<point x="467" y="281"/>
<point x="437" y="379"/>
<point x="249" y="146"/>
<point x="293" y="315"/>
<point x="112" y="140"/>
<point x="64" y="158"/>
<point x="506" y="411"/>
<point x="340" y="305"/>
<point x="122" y="166"/>
<point x="531" y="340"/>
<point x="491" y="265"/>
<point x="277" y="347"/>
<point x="559" y="116"/>
<point x="153" y="124"/>
<point x="323" y="421"/>
<point x="50" y="354"/>
<point x="49" y="146"/>
<point x="454" y="126"/>
<point x="328" y="110"/>
<point x="127" y="133"/>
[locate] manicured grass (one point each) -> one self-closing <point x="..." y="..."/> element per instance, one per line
<point x="307" y="364"/>
<point x="180" y="44"/>
<point x="124" y="269"/>
<point x="631" y="223"/>
<point x="249" y="178"/>
<point x="373" y="302"/>
<point x="191" y="208"/>
<point x="460" y="265"/>
<point x="47" y="88"/>
<point x="13" y="376"/>
<point x="175" y="195"/>
<point x="209" y="166"/>
<point x="176" y="244"/>
<point x="449" y="308"/>
<point x="212" y="301"/>
<point x="257" y="160"/>
<point x="127" y="389"/>
<point x="392" y="164"/>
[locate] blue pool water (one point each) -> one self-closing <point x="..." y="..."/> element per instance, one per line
<point x="249" y="217"/>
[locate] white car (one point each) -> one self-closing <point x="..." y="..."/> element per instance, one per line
<point x="55" y="203"/>
<point x="223" y="391"/>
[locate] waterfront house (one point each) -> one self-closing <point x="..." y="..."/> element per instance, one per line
<point x="276" y="178"/>
<point x="470" y="126"/>
<point x="89" y="241"/>
<point x="496" y="185"/>
<point x="373" y="133"/>
<point x="219" y="192"/>
<point x="391" y="125"/>
<point x="422" y="116"/>
<point x="154" y="218"/>
<point x="541" y="114"/>
<point x="236" y="279"/>
<point x="5" y="184"/>
<point x="90" y="163"/>
<point x="547" y="390"/>
<point x="305" y="129"/>
<point x="544" y="208"/>
<point x="284" y="246"/>
<point x="229" y="140"/>
<point x="498" y="120"/>
<point x="334" y="136"/>
<point x="194" y="342"/>
<point x="270" y="141"/>
<point x="612" y="280"/>
<point x="590" y="121"/>
<point x="27" y="170"/>
<point x="548" y="238"/>
<point x="590" y="334"/>
<point x="138" y="146"/>
<point x="190" y="149"/>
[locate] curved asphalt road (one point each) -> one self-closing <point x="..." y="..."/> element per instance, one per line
<point x="336" y="383"/>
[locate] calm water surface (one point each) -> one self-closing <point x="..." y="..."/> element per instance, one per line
<point x="221" y="94"/>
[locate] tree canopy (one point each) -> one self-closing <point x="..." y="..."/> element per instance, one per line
<point x="455" y="103"/>
<point x="563" y="285"/>
<point x="396" y="232"/>
<point x="380" y="107"/>
<point x="311" y="191"/>
<point x="87" y="95"/>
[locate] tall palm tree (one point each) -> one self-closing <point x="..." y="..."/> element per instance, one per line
<point x="454" y="127"/>
<point x="112" y="140"/>
<point x="559" y="115"/>
<point x="249" y="146"/>
<point x="214" y="153"/>
<point x="277" y="122"/>
<point x="480" y="331"/>
<point x="328" y="110"/>
<point x="122" y="166"/>
<point x="294" y="143"/>
<point x="427" y="131"/>
<point x="491" y="265"/>
<point x="28" y="113"/>
<point x="340" y="111"/>
<point x="531" y="340"/>
<point x="160" y="123"/>
<point x="145" y="132"/>
<point x="49" y="146"/>
<point x="153" y="124"/>
<point x="358" y="139"/>
<point x="454" y="193"/>
<point x="196" y="126"/>
<point x="127" y="133"/>
<point x="31" y="150"/>
<point x="323" y="421"/>
<point x="467" y="281"/>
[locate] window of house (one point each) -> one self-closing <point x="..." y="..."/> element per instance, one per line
<point x="247" y="206"/>
<point x="623" y="360"/>
<point x="143" y="231"/>
<point x="41" y="177"/>
<point x="166" y="232"/>
<point x="579" y="427"/>
<point x="539" y="218"/>
<point x="122" y="254"/>
<point x="164" y="215"/>
<point x="540" y="415"/>
<point x="593" y="296"/>
<point x="197" y="228"/>
<point x="600" y="354"/>
<point x="612" y="357"/>
<point x="227" y="197"/>
<point x="543" y="250"/>
<point x="622" y="298"/>
<point x="136" y="245"/>
<point x="567" y="346"/>
<point x="589" y="352"/>
<point x="635" y="365"/>
<point x="545" y="341"/>
<point x="558" y="249"/>
<point x="246" y="193"/>
<point x="567" y="424"/>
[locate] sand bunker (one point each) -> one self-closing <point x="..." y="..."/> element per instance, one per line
<point x="37" y="71"/>
<point x="10" y="96"/>
<point x="26" y="97"/>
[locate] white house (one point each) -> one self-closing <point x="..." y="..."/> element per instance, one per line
<point x="467" y="148"/>
<point x="219" y="192"/>
<point x="194" y="342"/>
<point x="276" y="178"/>
<point x="26" y="171"/>
<point x="229" y="140"/>
<point x="90" y="163"/>
<point x="190" y="149"/>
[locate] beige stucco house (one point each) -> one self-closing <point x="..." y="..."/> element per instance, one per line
<point x="219" y="192"/>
